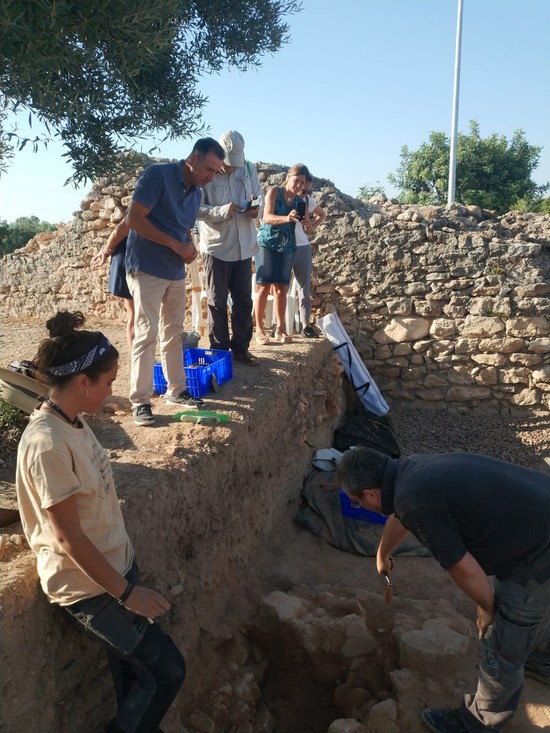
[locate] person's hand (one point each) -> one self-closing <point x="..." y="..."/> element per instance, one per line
<point x="484" y="620"/>
<point x="190" y="253"/>
<point x="251" y="213"/>
<point x="293" y="216"/>
<point x="232" y="210"/>
<point x="384" y="563"/>
<point x="146" y="602"/>
<point x="186" y="250"/>
<point x="99" y="259"/>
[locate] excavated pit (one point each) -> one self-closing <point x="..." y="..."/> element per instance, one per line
<point x="281" y="632"/>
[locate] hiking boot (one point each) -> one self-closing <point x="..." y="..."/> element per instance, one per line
<point x="443" y="721"/>
<point x="184" y="398"/>
<point x="536" y="674"/>
<point x="245" y="357"/>
<point x="310" y="333"/>
<point x="143" y="415"/>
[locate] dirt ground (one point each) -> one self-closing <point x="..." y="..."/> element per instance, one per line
<point x="295" y="557"/>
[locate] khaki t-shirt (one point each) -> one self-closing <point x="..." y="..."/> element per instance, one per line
<point x="55" y="461"/>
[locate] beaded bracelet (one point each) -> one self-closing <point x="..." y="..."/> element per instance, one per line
<point x="124" y="597"/>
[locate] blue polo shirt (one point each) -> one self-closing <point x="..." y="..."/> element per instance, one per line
<point x="173" y="209"/>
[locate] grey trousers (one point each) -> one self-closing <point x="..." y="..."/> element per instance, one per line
<point x="519" y="634"/>
<point x="302" y="272"/>
<point x="224" y="278"/>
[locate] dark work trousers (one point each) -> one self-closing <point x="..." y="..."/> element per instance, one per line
<point x="223" y="278"/>
<point x="147" y="667"/>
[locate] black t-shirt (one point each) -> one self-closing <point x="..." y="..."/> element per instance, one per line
<point x="462" y="502"/>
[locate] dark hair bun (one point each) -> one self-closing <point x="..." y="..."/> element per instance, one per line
<point x="64" y="323"/>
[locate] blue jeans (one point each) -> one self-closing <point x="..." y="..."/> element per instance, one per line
<point x="147" y="667"/>
<point x="519" y="634"/>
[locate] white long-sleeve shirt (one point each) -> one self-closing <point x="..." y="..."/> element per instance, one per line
<point x="230" y="239"/>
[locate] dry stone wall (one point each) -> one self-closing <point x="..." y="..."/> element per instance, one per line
<point x="446" y="305"/>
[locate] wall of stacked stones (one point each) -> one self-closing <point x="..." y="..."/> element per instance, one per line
<point x="447" y="306"/>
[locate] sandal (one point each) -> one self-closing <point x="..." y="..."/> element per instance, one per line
<point x="262" y="338"/>
<point x="282" y="337"/>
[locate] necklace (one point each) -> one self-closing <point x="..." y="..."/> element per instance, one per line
<point x="76" y="422"/>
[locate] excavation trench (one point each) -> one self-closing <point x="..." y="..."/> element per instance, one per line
<point x="281" y="631"/>
<point x="200" y="504"/>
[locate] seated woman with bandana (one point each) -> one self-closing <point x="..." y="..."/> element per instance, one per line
<point x="73" y="523"/>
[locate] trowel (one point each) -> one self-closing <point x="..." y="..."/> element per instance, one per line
<point x="389" y="588"/>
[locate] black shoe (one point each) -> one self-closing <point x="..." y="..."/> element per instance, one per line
<point x="184" y="398"/>
<point x="310" y="333"/>
<point x="143" y="415"/>
<point x="536" y="674"/>
<point x="245" y="357"/>
<point x="443" y="721"/>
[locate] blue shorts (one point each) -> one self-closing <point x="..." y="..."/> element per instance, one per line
<point x="117" y="273"/>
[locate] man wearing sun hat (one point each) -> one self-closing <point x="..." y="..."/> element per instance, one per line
<point x="226" y="224"/>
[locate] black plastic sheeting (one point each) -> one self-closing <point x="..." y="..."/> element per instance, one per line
<point x="320" y="511"/>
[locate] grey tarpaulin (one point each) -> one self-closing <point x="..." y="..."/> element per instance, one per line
<point x="320" y="514"/>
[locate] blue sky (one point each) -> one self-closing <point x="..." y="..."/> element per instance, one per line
<point x="358" y="79"/>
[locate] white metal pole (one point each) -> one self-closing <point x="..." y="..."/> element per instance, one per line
<point x="454" y="126"/>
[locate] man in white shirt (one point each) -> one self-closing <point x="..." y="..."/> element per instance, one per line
<point x="227" y="229"/>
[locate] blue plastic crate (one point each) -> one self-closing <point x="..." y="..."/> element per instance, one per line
<point x="159" y="380"/>
<point x="203" y="366"/>
<point x="363" y="515"/>
<point x="200" y="366"/>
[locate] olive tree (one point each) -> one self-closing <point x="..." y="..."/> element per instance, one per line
<point x="102" y="73"/>
<point x="17" y="234"/>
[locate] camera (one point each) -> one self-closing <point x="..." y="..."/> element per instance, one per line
<point x="301" y="209"/>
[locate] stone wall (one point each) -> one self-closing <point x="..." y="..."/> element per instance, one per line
<point x="447" y="306"/>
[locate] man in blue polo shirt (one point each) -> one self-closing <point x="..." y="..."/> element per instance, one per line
<point x="162" y="212"/>
<point x="479" y="517"/>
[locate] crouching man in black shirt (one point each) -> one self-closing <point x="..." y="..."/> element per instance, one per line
<point x="479" y="517"/>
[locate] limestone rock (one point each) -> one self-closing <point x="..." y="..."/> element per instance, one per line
<point x="383" y="718"/>
<point x="403" y="329"/>
<point x="428" y="649"/>
<point x="284" y="606"/>
<point x="347" y="725"/>
<point x="202" y="722"/>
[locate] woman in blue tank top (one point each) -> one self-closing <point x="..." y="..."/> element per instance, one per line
<point x="277" y="242"/>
